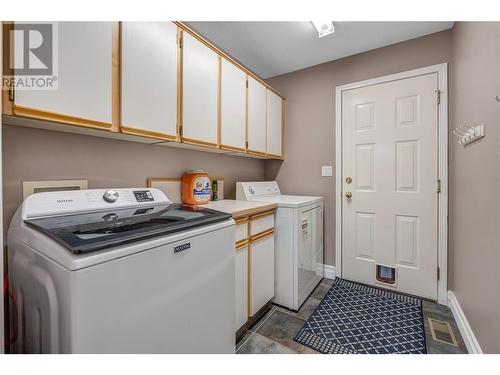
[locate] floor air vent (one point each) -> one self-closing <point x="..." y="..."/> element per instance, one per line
<point x="441" y="331"/>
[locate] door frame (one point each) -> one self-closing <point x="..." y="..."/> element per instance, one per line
<point x="442" y="73"/>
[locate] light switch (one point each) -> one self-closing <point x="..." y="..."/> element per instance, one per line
<point x="327" y="170"/>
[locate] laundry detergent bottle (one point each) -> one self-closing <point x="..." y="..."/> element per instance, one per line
<point x="196" y="188"/>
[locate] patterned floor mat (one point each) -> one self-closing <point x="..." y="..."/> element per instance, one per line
<point x="354" y="318"/>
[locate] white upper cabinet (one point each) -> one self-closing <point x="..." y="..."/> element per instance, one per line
<point x="256" y="116"/>
<point x="274" y="124"/>
<point x="233" y="92"/>
<point x="84" y="78"/>
<point x="199" y="91"/>
<point x="149" y="79"/>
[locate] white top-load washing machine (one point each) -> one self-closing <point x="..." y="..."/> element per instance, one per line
<point x="120" y="271"/>
<point x="298" y="240"/>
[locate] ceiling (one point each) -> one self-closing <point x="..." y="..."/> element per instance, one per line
<point x="273" y="48"/>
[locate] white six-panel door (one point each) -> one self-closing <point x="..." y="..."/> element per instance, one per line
<point x="149" y="75"/>
<point x="390" y="151"/>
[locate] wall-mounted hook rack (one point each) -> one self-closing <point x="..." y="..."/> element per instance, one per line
<point x="467" y="134"/>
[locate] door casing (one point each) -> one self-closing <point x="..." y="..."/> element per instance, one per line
<point x="442" y="72"/>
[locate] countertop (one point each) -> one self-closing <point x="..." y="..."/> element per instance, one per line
<point x="240" y="208"/>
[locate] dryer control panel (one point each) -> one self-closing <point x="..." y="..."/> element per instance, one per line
<point x="250" y="190"/>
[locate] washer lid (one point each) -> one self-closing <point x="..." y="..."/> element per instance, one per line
<point x="86" y="232"/>
<point x="291" y="200"/>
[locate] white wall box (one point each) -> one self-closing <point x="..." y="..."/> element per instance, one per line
<point x="256" y="117"/>
<point x="149" y="79"/>
<point x="274" y="124"/>
<point x="199" y="92"/>
<point x="84" y="78"/>
<point x="261" y="271"/>
<point x="232" y="107"/>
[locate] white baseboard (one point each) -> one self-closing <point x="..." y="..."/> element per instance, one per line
<point x="463" y="325"/>
<point x="329" y="271"/>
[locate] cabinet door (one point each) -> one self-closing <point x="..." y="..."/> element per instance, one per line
<point x="149" y="79"/>
<point x="241" y="275"/>
<point x="84" y="65"/>
<point x="274" y="124"/>
<point x="262" y="273"/>
<point x="199" y="92"/>
<point x="233" y="92"/>
<point x="256" y="116"/>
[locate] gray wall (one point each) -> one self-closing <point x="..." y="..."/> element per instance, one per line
<point x="310" y="115"/>
<point x="33" y="154"/>
<point x="475" y="180"/>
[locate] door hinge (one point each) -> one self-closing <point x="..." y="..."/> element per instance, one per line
<point x="11" y="93"/>
<point x="247" y="83"/>
<point x="246" y="144"/>
<point x="438" y="274"/>
<point x="180" y="130"/>
<point x="438" y="94"/>
<point x="179" y="40"/>
<point x="439" y="186"/>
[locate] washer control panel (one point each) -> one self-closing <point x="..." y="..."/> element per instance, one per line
<point x="111" y="196"/>
<point x="143" y="196"/>
<point x="74" y="201"/>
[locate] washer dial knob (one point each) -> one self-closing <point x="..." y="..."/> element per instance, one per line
<point x="252" y="190"/>
<point x="110" y="196"/>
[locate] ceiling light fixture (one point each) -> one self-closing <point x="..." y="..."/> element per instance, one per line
<point x="324" y="27"/>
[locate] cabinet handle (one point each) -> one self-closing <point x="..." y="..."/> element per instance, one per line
<point x="240" y="221"/>
<point x="241" y="244"/>
<point x="262" y="235"/>
<point x="261" y="215"/>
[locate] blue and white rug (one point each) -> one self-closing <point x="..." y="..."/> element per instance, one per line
<point x="354" y="318"/>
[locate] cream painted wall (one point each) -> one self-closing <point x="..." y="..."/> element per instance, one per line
<point x="310" y="115"/>
<point x="475" y="179"/>
<point x="33" y="154"/>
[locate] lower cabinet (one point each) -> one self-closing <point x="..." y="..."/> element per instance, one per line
<point x="241" y="273"/>
<point x="261" y="271"/>
<point x="254" y="266"/>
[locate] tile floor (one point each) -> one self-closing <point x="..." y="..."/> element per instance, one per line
<point x="274" y="332"/>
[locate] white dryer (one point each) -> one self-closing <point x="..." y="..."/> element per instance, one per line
<point x="121" y="271"/>
<point x="298" y="240"/>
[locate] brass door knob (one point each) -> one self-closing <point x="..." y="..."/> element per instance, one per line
<point x="348" y="195"/>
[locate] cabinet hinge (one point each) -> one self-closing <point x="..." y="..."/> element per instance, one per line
<point x="179" y="40"/>
<point x="438" y="274"/>
<point x="438" y="95"/>
<point x="438" y="186"/>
